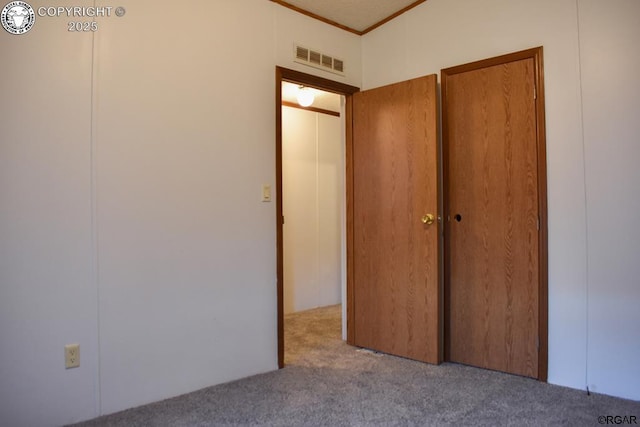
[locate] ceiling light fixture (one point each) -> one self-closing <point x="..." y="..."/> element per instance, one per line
<point x="305" y="96"/>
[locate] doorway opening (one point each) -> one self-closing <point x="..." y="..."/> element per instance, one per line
<point x="283" y="77"/>
<point x="313" y="209"/>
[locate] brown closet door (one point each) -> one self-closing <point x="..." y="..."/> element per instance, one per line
<point x="493" y="216"/>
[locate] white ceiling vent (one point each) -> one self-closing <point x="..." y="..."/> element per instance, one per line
<point x="316" y="59"/>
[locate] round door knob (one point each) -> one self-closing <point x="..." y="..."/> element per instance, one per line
<point x="428" y="219"/>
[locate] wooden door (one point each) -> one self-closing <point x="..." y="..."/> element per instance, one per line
<point x="495" y="201"/>
<point x="396" y="297"/>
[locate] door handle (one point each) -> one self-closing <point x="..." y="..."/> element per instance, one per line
<point x="428" y="219"/>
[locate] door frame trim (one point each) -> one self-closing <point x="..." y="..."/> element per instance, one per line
<point x="543" y="293"/>
<point x="288" y="75"/>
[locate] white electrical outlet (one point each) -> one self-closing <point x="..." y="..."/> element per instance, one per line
<point x="71" y="356"/>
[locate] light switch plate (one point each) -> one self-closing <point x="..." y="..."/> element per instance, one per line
<point x="266" y="193"/>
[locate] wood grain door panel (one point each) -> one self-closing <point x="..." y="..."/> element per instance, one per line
<point x="493" y="217"/>
<point x="395" y="182"/>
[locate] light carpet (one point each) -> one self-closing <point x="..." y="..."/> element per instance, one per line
<point x="328" y="383"/>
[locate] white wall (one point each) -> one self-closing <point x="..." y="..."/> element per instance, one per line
<point x="178" y="178"/>
<point x="47" y="280"/>
<point x="131" y="166"/>
<point x="312" y="171"/>
<point x="610" y="59"/>
<point x="600" y="315"/>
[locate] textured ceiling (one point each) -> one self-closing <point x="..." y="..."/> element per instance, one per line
<point x="358" y="15"/>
